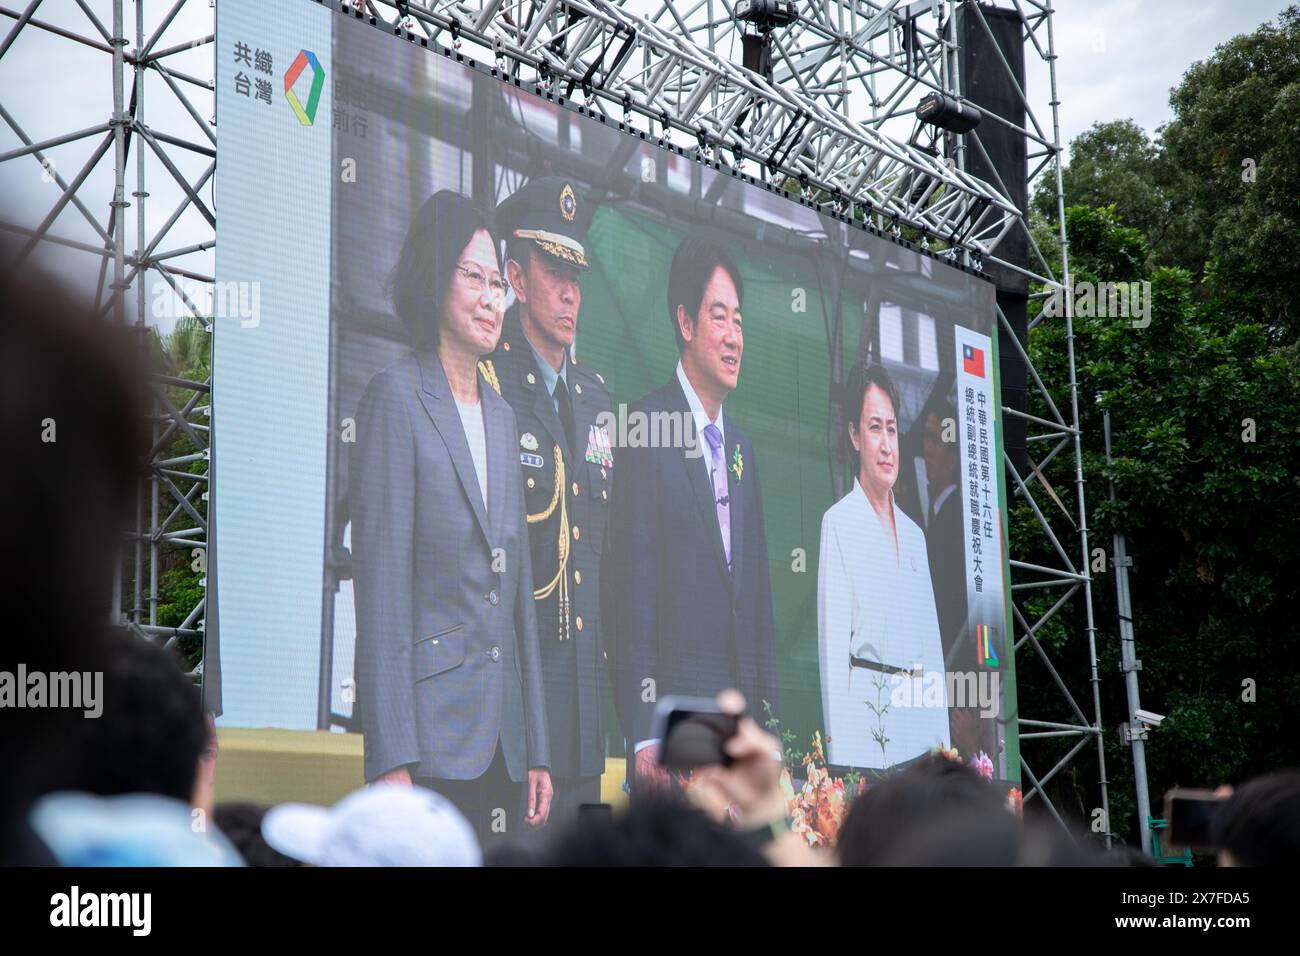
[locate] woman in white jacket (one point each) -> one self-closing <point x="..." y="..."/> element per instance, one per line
<point x="884" y="696"/>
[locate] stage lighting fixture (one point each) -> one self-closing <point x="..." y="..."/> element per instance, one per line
<point x="766" y="14"/>
<point x="947" y="112"/>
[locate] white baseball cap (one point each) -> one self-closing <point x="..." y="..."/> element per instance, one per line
<point x="380" y="825"/>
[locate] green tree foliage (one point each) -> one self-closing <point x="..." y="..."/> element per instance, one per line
<point x="1113" y="164"/>
<point x="185" y="353"/>
<point x="1235" y="200"/>
<point x="1205" y="407"/>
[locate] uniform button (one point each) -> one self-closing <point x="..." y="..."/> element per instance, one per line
<point x="495" y="653"/>
<point x="575" y="533"/>
<point x="531" y="483"/>
<point x="577" y="577"/>
<point x="604" y="655"/>
<point x="575" y="489"/>
<point x="506" y="346"/>
<point x="492" y="597"/>
<point x="578" y="622"/>
<point x="532" y="379"/>
<point x="578" y="388"/>
<point x="604" y="495"/>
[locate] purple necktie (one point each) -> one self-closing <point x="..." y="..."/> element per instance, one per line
<point x="721" y="498"/>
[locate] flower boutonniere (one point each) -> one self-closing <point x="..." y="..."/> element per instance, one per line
<point x="738" y="464"/>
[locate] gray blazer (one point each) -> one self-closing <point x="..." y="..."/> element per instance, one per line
<point x="446" y="660"/>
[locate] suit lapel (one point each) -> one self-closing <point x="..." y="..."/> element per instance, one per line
<point x="435" y="394"/>
<point x="697" y="473"/>
<point x="501" y="458"/>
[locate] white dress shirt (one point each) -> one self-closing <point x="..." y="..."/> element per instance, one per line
<point x="471" y="419"/>
<point x="877" y="604"/>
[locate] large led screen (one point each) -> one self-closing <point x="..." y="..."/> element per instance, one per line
<point x="524" y="423"/>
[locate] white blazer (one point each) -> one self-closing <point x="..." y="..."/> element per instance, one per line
<point x="877" y="604"/>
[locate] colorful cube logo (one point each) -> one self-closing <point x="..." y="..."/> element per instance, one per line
<point x="305" y="58"/>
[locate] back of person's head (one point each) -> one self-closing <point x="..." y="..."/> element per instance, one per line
<point x="891" y="814"/>
<point x="985" y="836"/>
<point x="75" y="439"/>
<point x="75" y="436"/>
<point x="652" y="833"/>
<point x="242" y="825"/>
<point x="1259" y="825"/>
<point x="151" y="733"/>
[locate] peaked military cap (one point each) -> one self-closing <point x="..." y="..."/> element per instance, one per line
<point x="549" y="211"/>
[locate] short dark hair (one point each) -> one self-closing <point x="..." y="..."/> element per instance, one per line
<point x="152" y="731"/>
<point x="861" y="378"/>
<point x="653" y="832"/>
<point x="521" y="250"/>
<point x="242" y="825"/>
<point x="1260" y="823"/>
<point x="888" y="815"/>
<point x="693" y="265"/>
<point x="434" y="242"/>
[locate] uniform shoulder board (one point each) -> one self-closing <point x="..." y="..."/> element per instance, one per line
<point x="590" y="375"/>
<point x="490" y="373"/>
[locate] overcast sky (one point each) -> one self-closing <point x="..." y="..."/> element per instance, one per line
<point x="1117" y="59"/>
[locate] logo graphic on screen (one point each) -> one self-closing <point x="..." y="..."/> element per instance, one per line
<point x="972" y="361"/>
<point x="305" y="58"/>
<point x="984" y="641"/>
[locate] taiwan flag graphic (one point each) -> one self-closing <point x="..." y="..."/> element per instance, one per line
<point x="972" y="361"/>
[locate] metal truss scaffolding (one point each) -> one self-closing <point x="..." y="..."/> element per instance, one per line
<point x="837" y="117"/>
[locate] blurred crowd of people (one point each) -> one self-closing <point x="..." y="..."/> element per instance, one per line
<point x="136" y="785"/>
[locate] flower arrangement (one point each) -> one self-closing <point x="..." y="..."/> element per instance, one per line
<point x="820" y="801"/>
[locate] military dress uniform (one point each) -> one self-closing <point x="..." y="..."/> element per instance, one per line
<point x="568" y="490"/>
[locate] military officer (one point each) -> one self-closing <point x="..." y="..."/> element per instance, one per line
<point x="568" y="465"/>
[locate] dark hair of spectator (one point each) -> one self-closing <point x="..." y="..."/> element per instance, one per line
<point x="75" y="436"/>
<point x="151" y="733"/>
<point x="242" y="825"/>
<point x="1259" y="825"/>
<point x="434" y="243"/>
<point x="987" y="836"/>
<point x="693" y="266"/>
<point x="893" y="814"/>
<point x="653" y="833"/>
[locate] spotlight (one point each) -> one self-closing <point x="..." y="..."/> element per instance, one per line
<point x="947" y="112"/>
<point x="766" y="14"/>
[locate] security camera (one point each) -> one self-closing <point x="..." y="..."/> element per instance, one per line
<point x="1149" y="718"/>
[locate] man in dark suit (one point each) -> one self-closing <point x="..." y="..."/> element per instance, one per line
<point x="689" y="554"/>
<point x="567" y="462"/>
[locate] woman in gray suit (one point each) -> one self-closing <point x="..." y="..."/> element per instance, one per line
<point x="448" y="679"/>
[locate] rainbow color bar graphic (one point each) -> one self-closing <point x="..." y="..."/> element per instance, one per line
<point x="984" y="641"/>
<point x="306" y="115"/>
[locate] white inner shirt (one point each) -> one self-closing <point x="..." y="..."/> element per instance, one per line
<point x="471" y="419"/>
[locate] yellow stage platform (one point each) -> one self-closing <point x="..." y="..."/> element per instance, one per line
<point x="270" y="766"/>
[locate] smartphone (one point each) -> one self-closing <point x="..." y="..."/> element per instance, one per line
<point x="1192" y="815"/>
<point x="691" y="731"/>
